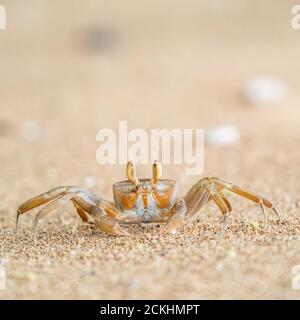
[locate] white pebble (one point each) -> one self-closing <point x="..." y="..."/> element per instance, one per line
<point x="231" y="253"/>
<point x="31" y="131"/>
<point x="134" y="284"/>
<point x="222" y="135"/>
<point x="265" y="91"/>
<point x="89" y="182"/>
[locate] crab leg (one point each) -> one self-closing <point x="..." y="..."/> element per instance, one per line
<point x="216" y="197"/>
<point x="222" y="203"/>
<point x="212" y="187"/>
<point x="45" y="210"/>
<point x="195" y="199"/>
<point x="226" y="215"/>
<point x="104" y="213"/>
<point x="228" y="205"/>
<point x="262" y="202"/>
<point x="43" y="199"/>
<point x="177" y="218"/>
<point x="82" y="213"/>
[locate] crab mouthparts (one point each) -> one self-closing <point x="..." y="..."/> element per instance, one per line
<point x="146" y="207"/>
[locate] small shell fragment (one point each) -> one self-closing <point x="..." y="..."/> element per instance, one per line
<point x="222" y="135"/>
<point x="265" y="91"/>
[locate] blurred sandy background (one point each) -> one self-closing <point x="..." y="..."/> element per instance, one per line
<point x="68" y="69"/>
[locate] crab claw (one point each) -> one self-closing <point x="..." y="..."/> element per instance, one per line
<point x="172" y="224"/>
<point x="177" y="218"/>
<point x="110" y="225"/>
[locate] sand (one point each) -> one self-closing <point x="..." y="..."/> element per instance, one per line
<point x="57" y="91"/>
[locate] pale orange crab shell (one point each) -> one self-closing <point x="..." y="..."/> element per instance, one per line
<point x="164" y="192"/>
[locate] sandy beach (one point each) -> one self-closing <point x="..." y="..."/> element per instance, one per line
<point x="69" y="70"/>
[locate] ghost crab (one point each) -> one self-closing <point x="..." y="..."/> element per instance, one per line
<point x="142" y="201"/>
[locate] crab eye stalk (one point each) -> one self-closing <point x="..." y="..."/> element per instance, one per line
<point x="157" y="171"/>
<point x="131" y="173"/>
